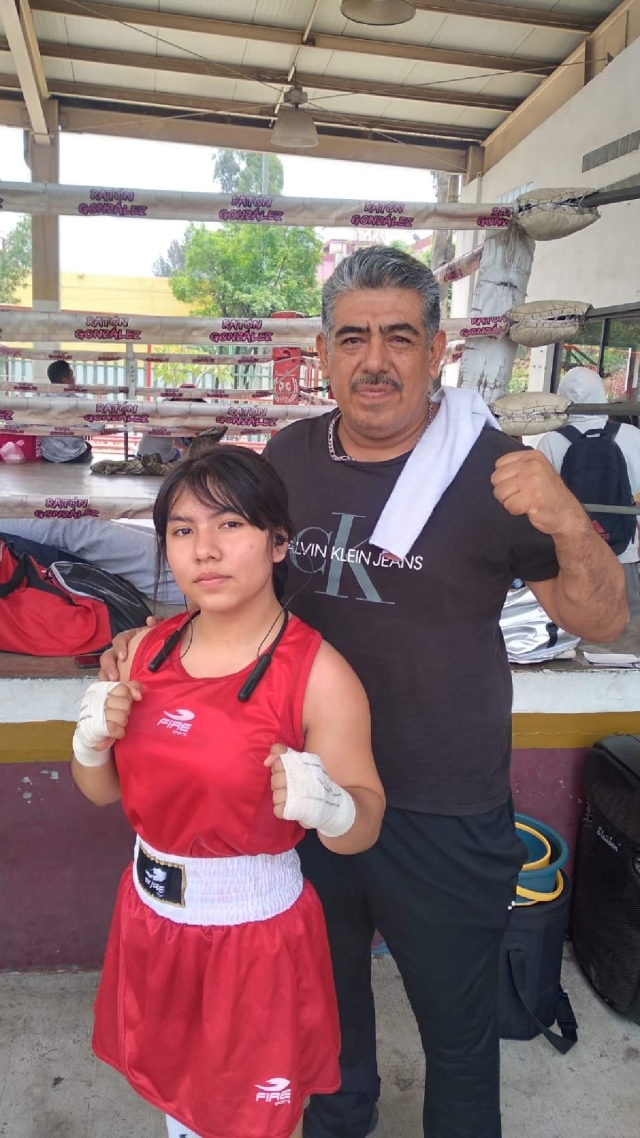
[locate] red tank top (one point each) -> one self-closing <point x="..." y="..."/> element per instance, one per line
<point x="191" y="764"/>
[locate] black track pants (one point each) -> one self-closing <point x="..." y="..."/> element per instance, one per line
<point x="438" y="889"/>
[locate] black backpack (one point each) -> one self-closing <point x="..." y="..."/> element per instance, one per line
<point x="595" y="470"/>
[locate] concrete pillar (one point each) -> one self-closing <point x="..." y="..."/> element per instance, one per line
<point x="44" y="163"/>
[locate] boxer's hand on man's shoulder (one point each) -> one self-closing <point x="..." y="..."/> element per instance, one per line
<point x="524" y="482"/>
<point x="119" y="651"/>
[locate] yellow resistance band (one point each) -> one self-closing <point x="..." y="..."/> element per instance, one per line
<point x="546" y="857"/>
<point x="532" y="896"/>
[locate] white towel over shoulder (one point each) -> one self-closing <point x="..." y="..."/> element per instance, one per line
<point x="431" y="468"/>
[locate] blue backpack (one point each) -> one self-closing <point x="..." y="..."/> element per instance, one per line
<point x="595" y="470"/>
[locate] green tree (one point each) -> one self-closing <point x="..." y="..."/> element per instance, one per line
<point x="15" y="260"/>
<point x="173" y="261"/>
<point x="174" y="374"/>
<point x="249" y="270"/>
<point x="240" y="172"/>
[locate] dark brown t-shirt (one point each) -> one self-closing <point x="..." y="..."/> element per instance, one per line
<point x="423" y="636"/>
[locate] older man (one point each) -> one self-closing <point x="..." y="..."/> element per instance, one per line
<point x="423" y="635"/>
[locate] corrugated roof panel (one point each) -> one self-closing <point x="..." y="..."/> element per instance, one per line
<point x="329" y="18"/>
<point x="511" y="86"/>
<point x="420" y="112"/>
<point x="51" y="27"/>
<point x="349" y="105"/>
<point x="99" y="33"/>
<point x="211" y="87"/>
<point x="110" y="75"/>
<point x="282" y="13"/>
<point x="59" y="69"/>
<point x="7" y="66"/>
<point x="217" y="49"/>
<point x="460" y="33"/>
<point x="314" y="61"/>
<point x="548" y="43"/>
<point x="425" y="112"/>
<point x="349" y="66"/>
<point x="475" y="116"/>
<point x="257" y="93"/>
<point x="446" y="76"/>
<point x="216" y="9"/>
<point x="277" y="55"/>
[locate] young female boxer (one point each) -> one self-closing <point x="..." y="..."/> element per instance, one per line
<point x="233" y="729"/>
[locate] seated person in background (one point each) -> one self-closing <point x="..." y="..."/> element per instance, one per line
<point x="169" y="449"/>
<point x="68" y="449"/>
<point x="161" y="445"/>
<point x="124" y="548"/>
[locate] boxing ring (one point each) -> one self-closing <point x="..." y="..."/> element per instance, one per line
<point x="559" y="708"/>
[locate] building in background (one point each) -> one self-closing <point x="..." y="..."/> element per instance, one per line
<point x="335" y="249"/>
<point x="590" y="138"/>
<point x="86" y="292"/>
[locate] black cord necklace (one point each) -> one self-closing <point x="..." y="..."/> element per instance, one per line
<point x="257" y="672"/>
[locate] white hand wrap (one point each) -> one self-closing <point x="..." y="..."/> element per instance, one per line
<point x="314" y="799"/>
<point x="92" y="725"/>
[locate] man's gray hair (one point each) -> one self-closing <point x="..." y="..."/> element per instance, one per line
<point x="382" y="266"/>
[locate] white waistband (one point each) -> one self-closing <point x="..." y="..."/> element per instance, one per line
<point x="219" y="890"/>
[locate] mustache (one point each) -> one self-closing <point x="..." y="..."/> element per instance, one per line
<point x="375" y="381"/>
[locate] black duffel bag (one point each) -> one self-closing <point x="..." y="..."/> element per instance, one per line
<point x="530" y="998"/>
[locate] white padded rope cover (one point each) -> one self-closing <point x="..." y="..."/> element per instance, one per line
<point x="546" y="321"/>
<point x="547" y="215"/>
<point x="530" y="412"/>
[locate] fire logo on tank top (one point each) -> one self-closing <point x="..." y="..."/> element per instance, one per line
<point x="179" y="722"/>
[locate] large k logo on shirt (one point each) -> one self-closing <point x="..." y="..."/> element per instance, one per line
<point x="343" y="560"/>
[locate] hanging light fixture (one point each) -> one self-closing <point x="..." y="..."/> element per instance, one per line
<point x="294" y="128"/>
<point x="378" y="11"/>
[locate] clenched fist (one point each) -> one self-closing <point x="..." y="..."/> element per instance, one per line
<point x="104" y="714"/>
<point x="278" y="778"/>
<point x="303" y="792"/>
<point x="524" y="482"/>
<point x="117" y="708"/>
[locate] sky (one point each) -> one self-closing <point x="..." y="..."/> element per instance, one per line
<point x="91" y="247"/>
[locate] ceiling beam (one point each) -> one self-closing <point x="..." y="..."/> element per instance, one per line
<point x="29" y="31"/>
<point x="180" y="102"/>
<point x="423" y="54"/>
<point x="204" y="25"/>
<point x="190" y="66"/>
<point x="505" y="13"/>
<point x="115" y="124"/>
<point x="18" y="45"/>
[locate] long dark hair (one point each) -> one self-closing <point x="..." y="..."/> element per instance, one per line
<point x="228" y="478"/>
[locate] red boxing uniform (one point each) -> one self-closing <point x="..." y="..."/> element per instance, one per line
<point x="225" y="1027"/>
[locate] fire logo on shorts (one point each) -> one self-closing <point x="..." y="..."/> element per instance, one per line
<point x="277" y="1091"/>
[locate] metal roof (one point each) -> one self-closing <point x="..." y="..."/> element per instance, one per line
<point x="429" y="89"/>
